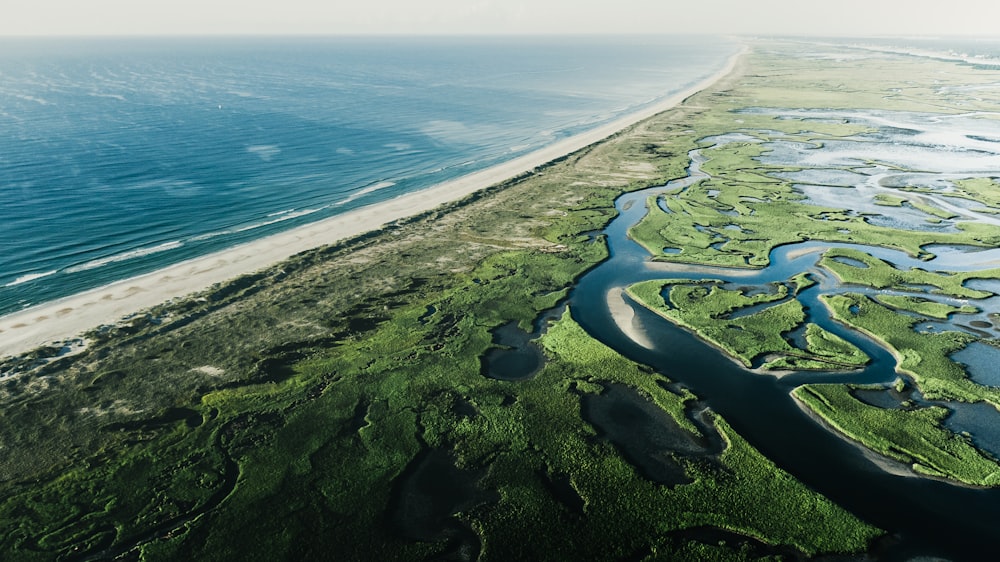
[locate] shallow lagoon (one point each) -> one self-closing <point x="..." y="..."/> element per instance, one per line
<point x="981" y="421"/>
<point x="982" y="362"/>
<point x="516" y="358"/>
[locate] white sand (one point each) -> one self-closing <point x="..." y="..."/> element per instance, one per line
<point x="624" y="316"/>
<point x="64" y="319"/>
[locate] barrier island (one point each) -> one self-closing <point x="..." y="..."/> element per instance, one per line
<point x="451" y="387"/>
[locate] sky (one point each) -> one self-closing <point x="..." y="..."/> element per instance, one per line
<point x="283" y="17"/>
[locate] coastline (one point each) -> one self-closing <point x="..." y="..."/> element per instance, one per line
<point x="58" y="321"/>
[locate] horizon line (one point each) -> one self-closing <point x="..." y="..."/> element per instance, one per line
<point x="417" y="34"/>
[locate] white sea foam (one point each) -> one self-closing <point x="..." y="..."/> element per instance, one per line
<point x="458" y="132"/>
<point x="180" y="188"/>
<point x="264" y="151"/>
<point x="209" y="235"/>
<point x="445" y="129"/>
<point x="171" y="187"/>
<point x="118" y="97"/>
<point x="30" y="277"/>
<point x="276" y="217"/>
<point x="365" y="191"/>
<point x="37" y="100"/>
<point x="125" y="256"/>
<point x="281" y="218"/>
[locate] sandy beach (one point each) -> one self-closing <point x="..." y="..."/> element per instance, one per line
<point x="65" y="319"/>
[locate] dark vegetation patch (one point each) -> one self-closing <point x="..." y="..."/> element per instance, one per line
<point x="427" y="497"/>
<point x="705" y="539"/>
<point x="561" y="487"/>
<point x="170" y="416"/>
<point x="646" y="435"/>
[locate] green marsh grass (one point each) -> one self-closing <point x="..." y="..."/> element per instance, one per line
<point x="914" y="436"/>
<point x="880" y="274"/>
<point x="706" y="308"/>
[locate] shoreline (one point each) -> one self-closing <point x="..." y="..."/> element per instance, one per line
<point x="56" y="322"/>
<point x="886" y="464"/>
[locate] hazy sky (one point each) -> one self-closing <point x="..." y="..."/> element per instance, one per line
<point x="805" y="17"/>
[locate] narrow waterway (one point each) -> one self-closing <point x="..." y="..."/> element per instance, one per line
<point x="929" y="517"/>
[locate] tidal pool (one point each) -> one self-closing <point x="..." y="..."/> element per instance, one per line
<point x="825" y="177"/>
<point x="519" y="358"/>
<point x="965" y="258"/>
<point x="729" y="138"/>
<point x="884" y="398"/>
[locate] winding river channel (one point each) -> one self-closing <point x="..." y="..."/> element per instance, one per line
<point x="927" y="517"/>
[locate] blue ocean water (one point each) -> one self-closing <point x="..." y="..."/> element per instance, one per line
<point x="121" y="156"/>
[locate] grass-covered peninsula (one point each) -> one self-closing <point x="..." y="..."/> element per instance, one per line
<point x="709" y="309"/>
<point x="911" y="435"/>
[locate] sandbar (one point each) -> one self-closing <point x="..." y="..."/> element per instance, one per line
<point x="624" y="316"/>
<point x="58" y="321"/>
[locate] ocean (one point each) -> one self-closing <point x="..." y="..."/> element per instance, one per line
<point x="122" y="156"/>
